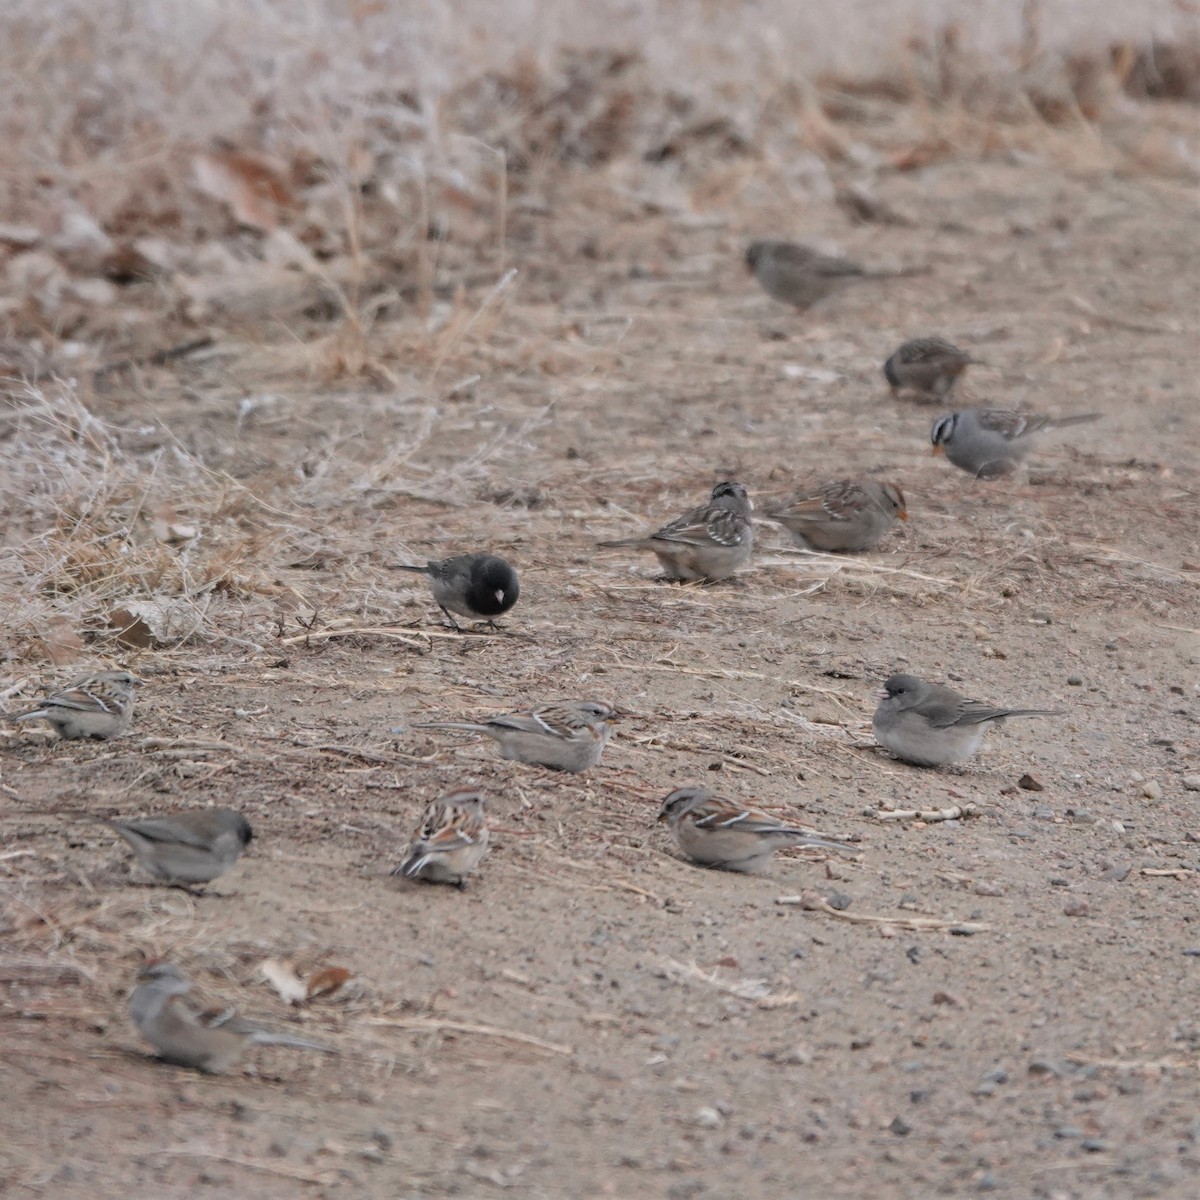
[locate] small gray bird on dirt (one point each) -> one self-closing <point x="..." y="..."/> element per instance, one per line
<point x="204" y="1041"/>
<point x="929" y="725"/>
<point x="188" y="847"/>
<point x="992" y="442"/>
<point x="801" y="276"/>
<point x="926" y="368"/>
<point x="842" y="515"/>
<point x="98" y="706"/>
<point x="450" y="841"/>
<point x="477" y="586"/>
<point x="717" y="832"/>
<point x="707" y="544"/>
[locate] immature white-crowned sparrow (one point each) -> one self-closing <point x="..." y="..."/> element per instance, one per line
<point x="929" y="725"/>
<point x="477" y="586"/>
<point x="929" y="367"/>
<point x="708" y="543"/>
<point x="97" y="706"/>
<point x="991" y="442"/>
<point x="721" y="833"/>
<point x="568" y="736"/>
<point x="187" y="847"/>
<point x="450" y="841"/>
<point x="842" y="514"/>
<point x="189" y="1038"/>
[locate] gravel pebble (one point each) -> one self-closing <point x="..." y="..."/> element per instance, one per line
<point x="1192" y="783"/>
<point x="1152" y="789"/>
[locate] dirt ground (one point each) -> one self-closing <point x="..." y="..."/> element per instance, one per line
<point x="594" y="1016"/>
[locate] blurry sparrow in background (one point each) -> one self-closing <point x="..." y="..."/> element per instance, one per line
<point x="926" y="367"/>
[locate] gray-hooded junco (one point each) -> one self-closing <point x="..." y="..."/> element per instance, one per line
<point x="929" y="725"/>
<point x="187" y="847"/>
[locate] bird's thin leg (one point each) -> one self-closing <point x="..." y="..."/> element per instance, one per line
<point x="450" y="617"/>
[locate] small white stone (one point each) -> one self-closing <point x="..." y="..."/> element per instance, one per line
<point x="1152" y="789"/>
<point x="707" y="1118"/>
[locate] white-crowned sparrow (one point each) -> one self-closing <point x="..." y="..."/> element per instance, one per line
<point x="928" y="367"/>
<point x="842" y="514"/>
<point x="991" y="442"/>
<point x="187" y="847"/>
<point x="721" y="833"/>
<point x="97" y="706"/>
<point x="189" y="1038"/>
<point x="708" y="543"/>
<point x="450" y="841"/>
<point x="477" y="586"/>
<point x="929" y="725"/>
<point x="568" y="736"/>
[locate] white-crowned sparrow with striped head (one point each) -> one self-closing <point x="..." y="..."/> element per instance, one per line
<point x="992" y="442"/>
<point x="204" y="1041"/>
<point x="567" y="736"/>
<point x="708" y="543"/>
<point x="186" y="848"/>
<point x="722" y="833"/>
<point x="97" y="706"/>
<point x="842" y="515"/>
<point x="477" y="586"/>
<point x="929" y="725"/>
<point x="450" y="841"/>
<point x="928" y="368"/>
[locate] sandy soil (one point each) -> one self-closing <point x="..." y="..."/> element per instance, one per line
<point x="594" y="1016"/>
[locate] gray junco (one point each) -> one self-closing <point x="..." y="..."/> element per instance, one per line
<point x="477" y="586"/>
<point x="718" y="832"/>
<point x="929" y="725"/>
<point x="187" y="847"/>
<point x="97" y="706"/>
<point x="708" y="543"/>
<point x="569" y="736"/>
<point x="188" y="1038"/>
<point x="450" y="841"/>
<point x="842" y="515"/>
<point x="991" y="442"/>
